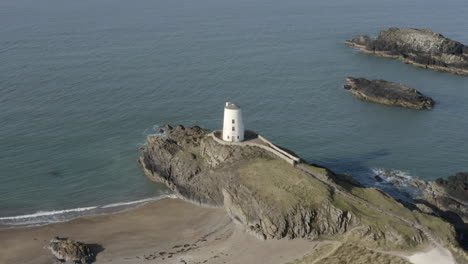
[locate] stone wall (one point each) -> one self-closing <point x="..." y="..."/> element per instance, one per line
<point x="267" y="145"/>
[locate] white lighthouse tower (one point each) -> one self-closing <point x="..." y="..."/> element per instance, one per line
<point x="233" y="127"/>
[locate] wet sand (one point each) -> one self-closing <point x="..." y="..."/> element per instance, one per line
<point x="165" y="231"/>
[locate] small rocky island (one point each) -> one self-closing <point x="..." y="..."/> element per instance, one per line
<point x="273" y="196"/>
<point x="420" y="47"/>
<point x="389" y="93"/>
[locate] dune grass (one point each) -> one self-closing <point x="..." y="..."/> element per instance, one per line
<point x="344" y="253"/>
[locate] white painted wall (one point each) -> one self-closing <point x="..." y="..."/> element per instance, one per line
<point x="233" y="132"/>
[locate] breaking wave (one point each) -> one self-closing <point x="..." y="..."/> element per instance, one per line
<point x="47" y="217"/>
<point x="392" y="176"/>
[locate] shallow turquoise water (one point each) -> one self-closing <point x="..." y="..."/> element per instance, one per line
<point x="83" y="82"/>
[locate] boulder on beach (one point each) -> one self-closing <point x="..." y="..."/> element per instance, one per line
<point x="70" y="251"/>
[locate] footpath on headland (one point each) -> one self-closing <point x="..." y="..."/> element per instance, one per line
<point x="256" y="140"/>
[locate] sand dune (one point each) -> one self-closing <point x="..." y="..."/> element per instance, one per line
<point x="432" y="256"/>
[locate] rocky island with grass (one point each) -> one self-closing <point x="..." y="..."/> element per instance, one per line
<point x="420" y="47"/>
<point x="389" y="93"/>
<point x="271" y="198"/>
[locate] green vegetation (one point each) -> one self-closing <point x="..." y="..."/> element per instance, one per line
<point x="385" y="232"/>
<point x="337" y="253"/>
<point x="438" y="227"/>
<point x="283" y="185"/>
<point x="435" y="225"/>
<point x="383" y="201"/>
<point x="318" y="170"/>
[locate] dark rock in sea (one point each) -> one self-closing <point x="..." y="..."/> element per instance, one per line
<point x="378" y="178"/>
<point x="420" y="47"/>
<point x="388" y="93"/>
<point x="70" y="251"/>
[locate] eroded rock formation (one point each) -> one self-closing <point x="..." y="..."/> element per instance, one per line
<point x="389" y="93"/>
<point x="70" y="251"/>
<point x="420" y="47"/>
<point x="201" y="170"/>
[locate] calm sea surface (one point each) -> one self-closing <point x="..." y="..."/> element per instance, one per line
<point x="82" y="83"/>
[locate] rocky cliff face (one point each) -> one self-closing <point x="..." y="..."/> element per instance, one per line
<point x="201" y="170"/>
<point x="420" y="47"/>
<point x="193" y="165"/>
<point x="449" y="195"/>
<point x="388" y="93"/>
<point x="271" y="198"/>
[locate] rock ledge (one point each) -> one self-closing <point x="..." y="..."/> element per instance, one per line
<point x="388" y="93"/>
<point x="420" y="47"/>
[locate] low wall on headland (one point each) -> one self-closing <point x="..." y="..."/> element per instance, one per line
<point x="255" y="140"/>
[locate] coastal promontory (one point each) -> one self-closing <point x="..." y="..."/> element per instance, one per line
<point x="389" y="93"/>
<point x="420" y="47"/>
<point x="274" y="194"/>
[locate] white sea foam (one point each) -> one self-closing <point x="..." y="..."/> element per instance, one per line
<point x="46" y="217"/>
<point x="391" y="175"/>
<point x="143" y="201"/>
<point x="48" y="213"/>
<point x="398" y="173"/>
<point x="156" y="133"/>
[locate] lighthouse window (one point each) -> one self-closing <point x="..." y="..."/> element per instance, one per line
<point x="228" y="137"/>
<point x="237" y="137"/>
<point x="233" y="129"/>
<point x="233" y="121"/>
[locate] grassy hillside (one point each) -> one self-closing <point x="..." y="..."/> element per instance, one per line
<point x="282" y="185"/>
<point x="337" y="252"/>
<point x="285" y="187"/>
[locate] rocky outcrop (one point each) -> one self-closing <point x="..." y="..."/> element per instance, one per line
<point x="264" y="222"/>
<point x="273" y="199"/>
<point x="193" y="165"/>
<point x="205" y="172"/>
<point x="388" y="93"/>
<point x="444" y="197"/>
<point x="449" y="195"/>
<point x="70" y="251"/>
<point x="420" y="47"/>
<point x="448" y="198"/>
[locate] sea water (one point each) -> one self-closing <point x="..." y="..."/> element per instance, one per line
<point x="82" y="83"/>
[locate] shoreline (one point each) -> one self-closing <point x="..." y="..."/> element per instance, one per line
<point x="163" y="231"/>
<point x="43" y="218"/>
<point x="170" y="231"/>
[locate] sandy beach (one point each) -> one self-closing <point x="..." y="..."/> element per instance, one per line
<point x="165" y="231"/>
